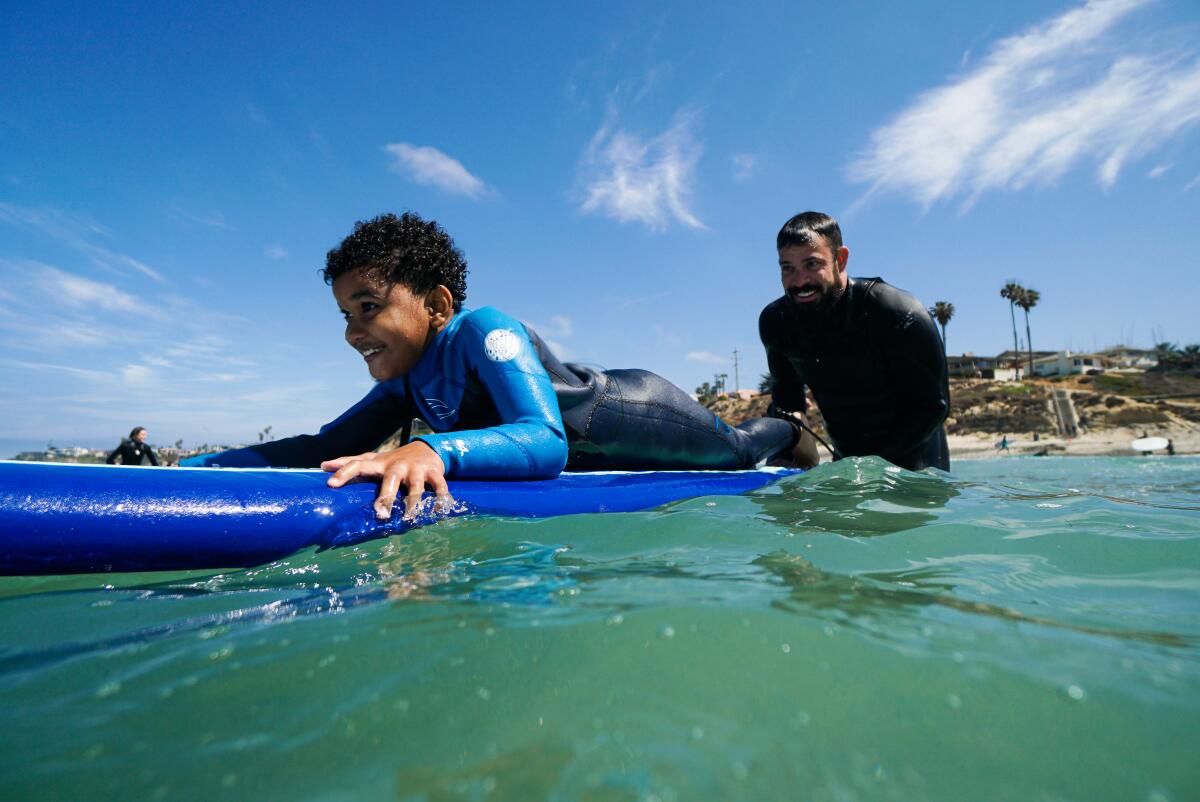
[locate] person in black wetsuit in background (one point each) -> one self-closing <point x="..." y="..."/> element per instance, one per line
<point x="133" y="450"/>
<point x="870" y="353"/>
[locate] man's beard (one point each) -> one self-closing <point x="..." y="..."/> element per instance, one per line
<point x="814" y="315"/>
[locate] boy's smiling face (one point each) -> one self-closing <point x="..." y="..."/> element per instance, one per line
<point x="389" y="324"/>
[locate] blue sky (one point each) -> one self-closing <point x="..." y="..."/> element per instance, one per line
<point x="171" y="177"/>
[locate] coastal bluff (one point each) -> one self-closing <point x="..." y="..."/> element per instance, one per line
<point x="1100" y="416"/>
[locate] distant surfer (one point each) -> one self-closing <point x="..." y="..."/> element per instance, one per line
<point x="869" y="352"/>
<point x="133" y="450"/>
<point x="500" y="404"/>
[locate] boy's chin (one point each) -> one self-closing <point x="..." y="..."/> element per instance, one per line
<point x="381" y="376"/>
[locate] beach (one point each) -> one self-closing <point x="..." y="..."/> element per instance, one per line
<point x="1106" y="443"/>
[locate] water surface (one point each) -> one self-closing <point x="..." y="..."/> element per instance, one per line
<point x="1021" y="629"/>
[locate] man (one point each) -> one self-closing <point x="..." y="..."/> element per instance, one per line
<point x="133" y="450"/>
<point x="869" y="352"/>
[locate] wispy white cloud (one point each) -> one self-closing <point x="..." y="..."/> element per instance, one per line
<point x="87" y="314"/>
<point x="551" y="331"/>
<point x="1040" y="103"/>
<point x="642" y="181"/>
<point x="667" y="336"/>
<point x="706" y="357"/>
<point x="44" y="367"/>
<point x="275" y="252"/>
<point x="80" y="292"/>
<point x="26" y="331"/>
<point x="745" y="165"/>
<point x="1195" y="182"/>
<point x="1159" y="170"/>
<point x="556" y="326"/>
<point x="426" y="165"/>
<point x="75" y="232"/>
<point x="207" y="219"/>
<point x="138" y="375"/>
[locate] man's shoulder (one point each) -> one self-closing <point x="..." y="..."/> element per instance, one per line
<point x="882" y="293"/>
<point x="886" y="310"/>
<point x="771" y="319"/>
<point x="776" y="307"/>
<point x="879" y="295"/>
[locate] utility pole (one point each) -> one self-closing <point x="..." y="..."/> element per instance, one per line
<point x="737" y="384"/>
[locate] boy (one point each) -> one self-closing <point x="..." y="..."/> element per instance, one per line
<point x="500" y="404"/>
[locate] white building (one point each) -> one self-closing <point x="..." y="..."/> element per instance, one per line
<point x="1064" y="363"/>
<point x="971" y="366"/>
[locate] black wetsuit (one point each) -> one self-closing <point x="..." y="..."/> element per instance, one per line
<point x="132" y="452"/>
<point x="876" y="368"/>
<point x="632" y="419"/>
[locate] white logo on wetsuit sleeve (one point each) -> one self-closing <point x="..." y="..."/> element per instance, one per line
<point x="501" y="345"/>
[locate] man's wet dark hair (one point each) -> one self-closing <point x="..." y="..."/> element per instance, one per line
<point x="804" y="228"/>
<point x="407" y="250"/>
<point x="134" y="431"/>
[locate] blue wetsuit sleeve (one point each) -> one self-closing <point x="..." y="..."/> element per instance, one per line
<point x="361" y="428"/>
<point x="530" y="442"/>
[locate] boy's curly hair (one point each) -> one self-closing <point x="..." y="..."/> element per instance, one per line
<point x="415" y="253"/>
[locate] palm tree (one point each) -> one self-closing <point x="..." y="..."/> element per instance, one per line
<point x="1189" y="356"/>
<point x="942" y="311"/>
<point x="1010" y="292"/>
<point x="1027" y="299"/>
<point x="1167" y="355"/>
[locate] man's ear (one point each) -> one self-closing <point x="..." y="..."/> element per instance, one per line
<point x="439" y="303"/>
<point x="843" y="256"/>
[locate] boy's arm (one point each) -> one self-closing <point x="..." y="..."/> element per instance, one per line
<point x="361" y="428"/>
<point x="531" y="442"/>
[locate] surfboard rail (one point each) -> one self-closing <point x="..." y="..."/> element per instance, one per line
<point x="60" y="518"/>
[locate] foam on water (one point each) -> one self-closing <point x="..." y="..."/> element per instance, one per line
<point x="1020" y="629"/>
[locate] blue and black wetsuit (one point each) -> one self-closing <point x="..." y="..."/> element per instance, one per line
<point x="876" y="368"/>
<point x="492" y="392"/>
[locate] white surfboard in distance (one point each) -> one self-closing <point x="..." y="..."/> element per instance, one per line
<point x="1148" y="443"/>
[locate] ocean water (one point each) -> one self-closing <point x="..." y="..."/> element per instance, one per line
<point x="1023" y="629"/>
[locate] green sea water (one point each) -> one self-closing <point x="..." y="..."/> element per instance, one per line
<point x="1022" y="629"/>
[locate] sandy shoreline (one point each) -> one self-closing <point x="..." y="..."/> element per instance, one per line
<point x="1107" y="443"/>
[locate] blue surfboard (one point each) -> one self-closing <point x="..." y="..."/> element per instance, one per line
<point x="62" y="518"/>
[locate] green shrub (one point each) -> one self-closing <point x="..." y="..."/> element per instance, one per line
<point x="1119" y="383"/>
